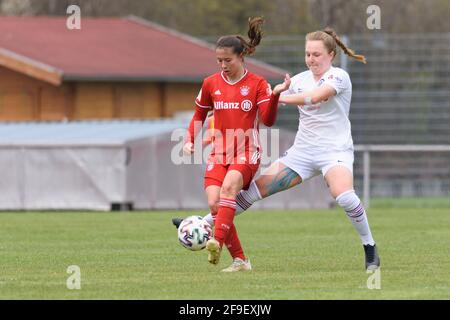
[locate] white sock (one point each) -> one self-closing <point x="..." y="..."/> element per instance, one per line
<point x="209" y="218"/>
<point x="350" y="202"/>
<point x="244" y="200"/>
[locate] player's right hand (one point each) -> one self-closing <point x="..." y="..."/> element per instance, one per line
<point x="188" y="148"/>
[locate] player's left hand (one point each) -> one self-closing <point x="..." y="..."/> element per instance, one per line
<point x="279" y="88"/>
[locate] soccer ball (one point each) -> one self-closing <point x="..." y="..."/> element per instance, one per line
<point x="193" y="233"/>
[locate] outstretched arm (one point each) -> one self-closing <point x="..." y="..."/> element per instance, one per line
<point x="310" y="97"/>
<point x="268" y="110"/>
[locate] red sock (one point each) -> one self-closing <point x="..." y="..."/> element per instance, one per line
<point x="232" y="241"/>
<point x="233" y="244"/>
<point x="224" y="219"/>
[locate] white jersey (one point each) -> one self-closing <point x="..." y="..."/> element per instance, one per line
<point x="326" y="124"/>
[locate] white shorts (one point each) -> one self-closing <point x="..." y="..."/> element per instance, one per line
<point x="308" y="163"/>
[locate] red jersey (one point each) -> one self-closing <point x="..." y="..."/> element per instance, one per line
<point x="237" y="107"/>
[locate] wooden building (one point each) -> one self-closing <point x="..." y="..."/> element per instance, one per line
<point x="113" y="68"/>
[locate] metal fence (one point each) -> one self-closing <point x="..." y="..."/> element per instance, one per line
<point x="396" y="179"/>
<point x="400" y="97"/>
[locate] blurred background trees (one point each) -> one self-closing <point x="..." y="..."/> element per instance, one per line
<point x="215" y="17"/>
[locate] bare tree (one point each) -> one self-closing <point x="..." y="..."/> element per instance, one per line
<point x="400" y="16"/>
<point x="212" y="17"/>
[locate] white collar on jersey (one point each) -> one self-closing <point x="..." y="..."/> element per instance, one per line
<point x="233" y="83"/>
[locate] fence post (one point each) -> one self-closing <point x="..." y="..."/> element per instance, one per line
<point x="366" y="178"/>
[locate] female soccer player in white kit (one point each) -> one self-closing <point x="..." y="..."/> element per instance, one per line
<point x="323" y="143"/>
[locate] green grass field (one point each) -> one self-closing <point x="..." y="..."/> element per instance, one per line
<point x="312" y="254"/>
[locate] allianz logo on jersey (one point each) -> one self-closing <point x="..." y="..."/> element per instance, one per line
<point x="245" y="105"/>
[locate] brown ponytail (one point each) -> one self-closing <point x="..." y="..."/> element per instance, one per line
<point x="239" y="44"/>
<point x="330" y="39"/>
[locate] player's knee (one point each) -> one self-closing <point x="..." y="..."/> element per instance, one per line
<point x="348" y="200"/>
<point x="228" y="191"/>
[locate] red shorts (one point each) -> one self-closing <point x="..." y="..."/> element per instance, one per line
<point x="215" y="173"/>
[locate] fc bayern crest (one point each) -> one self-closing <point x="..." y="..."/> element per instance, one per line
<point x="245" y="90"/>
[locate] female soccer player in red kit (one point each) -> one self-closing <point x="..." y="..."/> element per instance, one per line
<point x="239" y="99"/>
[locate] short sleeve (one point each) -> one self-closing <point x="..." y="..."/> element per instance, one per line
<point x="339" y="80"/>
<point x="203" y="99"/>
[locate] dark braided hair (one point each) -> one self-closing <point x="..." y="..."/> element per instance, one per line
<point x="239" y="44"/>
